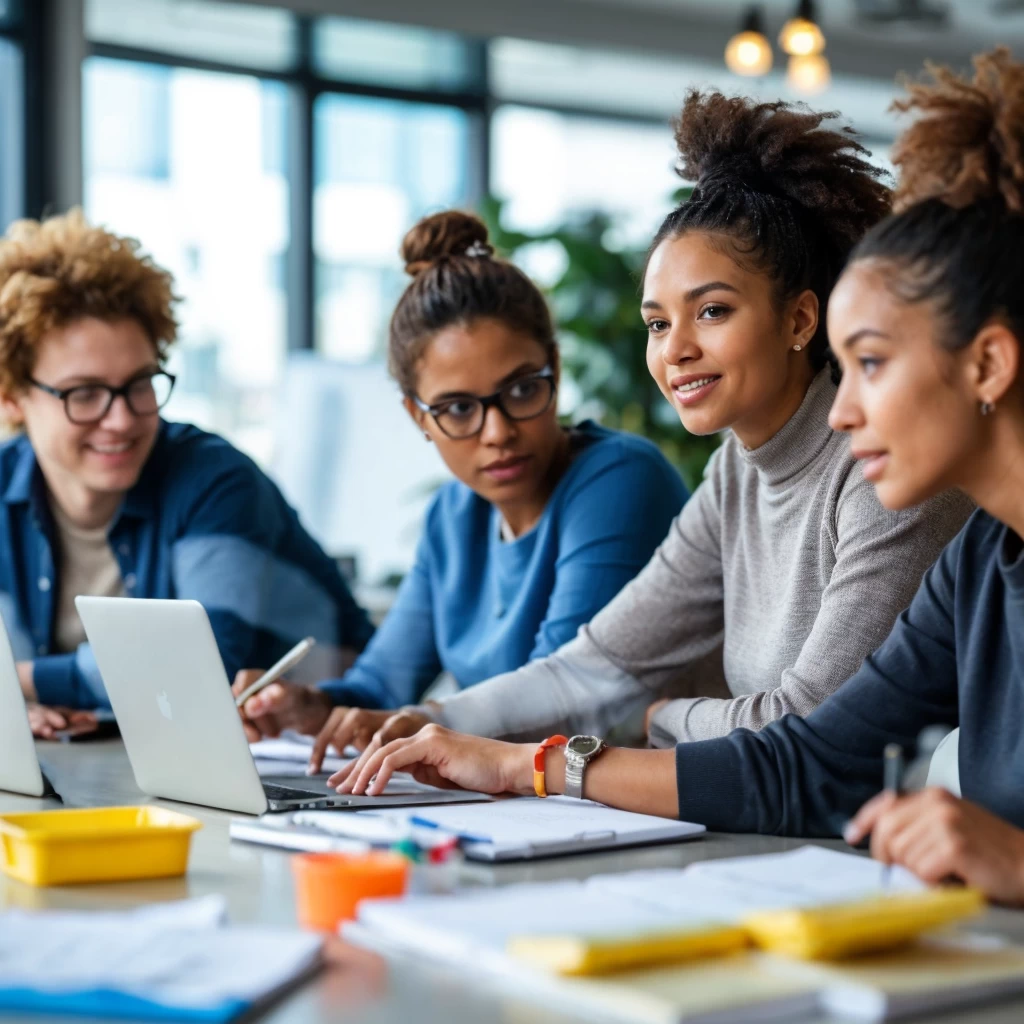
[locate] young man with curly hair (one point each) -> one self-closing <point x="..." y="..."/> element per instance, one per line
<point x="99" y="495"/>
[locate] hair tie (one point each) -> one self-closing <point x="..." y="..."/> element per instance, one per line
<point x="479" y="250"/>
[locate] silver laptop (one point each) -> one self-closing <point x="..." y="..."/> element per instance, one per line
<point x="19" y="766"/>
<point x="166" y="682"/>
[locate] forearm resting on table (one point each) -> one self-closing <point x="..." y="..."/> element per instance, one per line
<point x="26" y="679"/>
<point x="643" y="781"/>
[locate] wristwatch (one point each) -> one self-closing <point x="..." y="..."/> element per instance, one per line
<point x="579" y="752"/>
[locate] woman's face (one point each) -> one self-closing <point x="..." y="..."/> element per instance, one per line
<point x="908" y="404"/>
<point x="508" y="462"/>
<point x="100" y="459"/>
<point x="718" y="347"/>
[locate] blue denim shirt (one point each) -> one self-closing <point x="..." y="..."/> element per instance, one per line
<point x="202" y="522"/>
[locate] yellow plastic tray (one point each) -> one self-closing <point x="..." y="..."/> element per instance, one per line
<point x="104" y="844"/>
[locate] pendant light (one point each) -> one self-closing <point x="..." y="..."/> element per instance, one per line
<point x="809" y="74"/>
<point x="749" y="52"/>
<point x="801" y="36"/>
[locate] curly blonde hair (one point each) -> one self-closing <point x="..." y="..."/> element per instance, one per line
<point x="58" y="270"/>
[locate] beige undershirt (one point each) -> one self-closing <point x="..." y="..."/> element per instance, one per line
<point x="87" y="566"/>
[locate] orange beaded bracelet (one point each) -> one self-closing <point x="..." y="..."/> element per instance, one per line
<point x="539" y="785"/>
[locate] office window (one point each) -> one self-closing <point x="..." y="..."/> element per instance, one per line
<point x="379" y="166"/>
<point x="548" y="166"/>
<point x="189" y="163"/>
<point x="12" y="139"/>
<point x="401" y="56"/>
<point x="249" y="35"/>
<point x="10" y="11"/>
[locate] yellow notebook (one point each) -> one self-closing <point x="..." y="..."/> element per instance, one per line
<point x="884" y="922"/>
<point x="589" y="954"/>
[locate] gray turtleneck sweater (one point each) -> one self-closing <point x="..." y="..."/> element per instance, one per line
<point x="778" y="577"/>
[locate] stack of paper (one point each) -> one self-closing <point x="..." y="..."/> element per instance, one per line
<point x="288" y="754"/>
<point x="170" y="960"/>
<point x="477" y="927"/>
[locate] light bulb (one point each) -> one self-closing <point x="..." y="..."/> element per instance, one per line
<point x="749" y="52"/>
<point x="809" y="74"/>
<point x="801" y="37"/>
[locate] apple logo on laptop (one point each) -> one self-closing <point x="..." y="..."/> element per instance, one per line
<point x="164" y="704"/>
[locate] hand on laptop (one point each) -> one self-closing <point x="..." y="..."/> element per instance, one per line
<point x="450" y="760"/>
<point x="47" y="721"/>
<point x="365" y="729"/>
<point x="280" y="706"/>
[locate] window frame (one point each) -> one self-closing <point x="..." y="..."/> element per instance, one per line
<point x="24" y="31"/>
<point x="305" y="87"/>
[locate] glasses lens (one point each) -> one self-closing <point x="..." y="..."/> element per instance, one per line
<point x="86" y="404"/>
<point x="461" y="417"/>
<point x="149" y="394"/>
<point x="528" y="397"/>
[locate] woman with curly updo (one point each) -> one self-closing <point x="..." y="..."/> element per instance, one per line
<point x="928" y="324"/>
<point x="783" y="571"/>
<point x="100" y="496"/>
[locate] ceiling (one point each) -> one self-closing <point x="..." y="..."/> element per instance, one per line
<point x="978" y="23"/>
<point x="699" y="29"/>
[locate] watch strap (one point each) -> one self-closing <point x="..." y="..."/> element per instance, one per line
<point x="539" y="760"/>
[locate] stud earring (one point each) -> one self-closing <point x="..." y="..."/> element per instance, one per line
<point x="426" y="435"/>
<point x="797" y="348"/>
<point x="987" y="407"/>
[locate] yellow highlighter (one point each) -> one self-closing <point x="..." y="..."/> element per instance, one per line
<point x="570" y="954"/>
<point x="834" y="932"/>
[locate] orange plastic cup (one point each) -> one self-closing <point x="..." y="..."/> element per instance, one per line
<point x="329" y="886"/>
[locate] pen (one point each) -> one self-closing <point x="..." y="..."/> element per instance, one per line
<point x="892" y="778"/>
<point x="278" y="669"/>
<point x="466" y="837"/>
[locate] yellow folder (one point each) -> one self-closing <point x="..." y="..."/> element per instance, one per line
<point x="587" y="954"/>
<point x="833" y="932"/>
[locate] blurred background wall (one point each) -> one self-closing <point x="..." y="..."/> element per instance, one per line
<point x="272" y="153"/>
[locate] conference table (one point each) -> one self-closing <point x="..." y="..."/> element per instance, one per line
<point x="356" y="985"/>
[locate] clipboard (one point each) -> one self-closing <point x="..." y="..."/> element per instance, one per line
<point x="528" y="828"/>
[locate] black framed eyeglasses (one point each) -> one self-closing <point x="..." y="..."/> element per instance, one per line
<point x="462" y="416"/>
<point x="85" y="404"/>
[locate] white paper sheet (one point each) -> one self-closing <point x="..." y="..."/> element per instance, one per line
<point x="172" y="954"/>
<point x="530" y="823"/>
<point x="733" y="887"/>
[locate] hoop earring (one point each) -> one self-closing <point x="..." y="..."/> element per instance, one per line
<point x="987" y="407"/>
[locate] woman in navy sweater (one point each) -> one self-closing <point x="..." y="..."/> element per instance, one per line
<point x="928" y="324"/>
<point x="542" y="526"/>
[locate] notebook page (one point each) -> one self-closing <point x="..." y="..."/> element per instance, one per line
<point x="526" y="821"/>
<point x="731" y="888"/>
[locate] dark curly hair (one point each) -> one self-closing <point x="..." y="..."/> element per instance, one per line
<point x="457" y="279"/>
<point x="789" y="197"/>
<point x="957" y="238"/>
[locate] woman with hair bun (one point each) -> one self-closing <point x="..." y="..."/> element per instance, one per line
<point x="928" y="324"/>
<point x="783" y="571"/>
<point x="542" y="525"/>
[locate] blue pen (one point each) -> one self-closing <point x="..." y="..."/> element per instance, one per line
<point x="464" y="836"/>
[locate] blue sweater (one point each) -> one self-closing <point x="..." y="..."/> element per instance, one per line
<point x="477" y="606"/>
<point x="954" y="657"/>
<point x="203" y="522"/>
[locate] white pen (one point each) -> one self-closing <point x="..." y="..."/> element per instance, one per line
<point x="278" y="669"/>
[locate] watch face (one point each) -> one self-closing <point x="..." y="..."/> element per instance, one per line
<point x="584" y="745"/>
